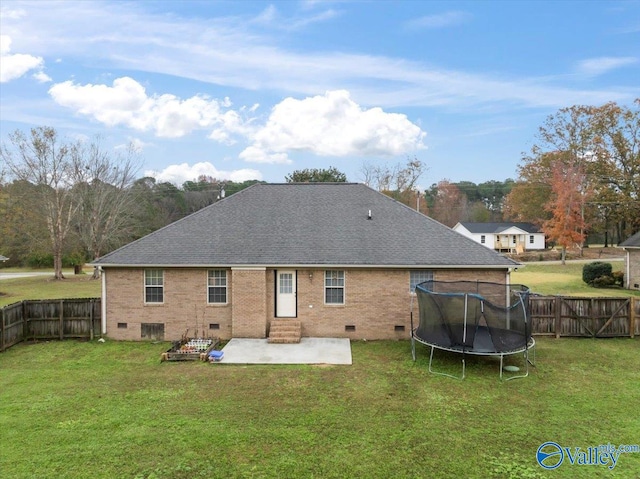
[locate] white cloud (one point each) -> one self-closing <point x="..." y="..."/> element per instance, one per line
<point x="332" y="125"/>
<point x="127" y="103"/>
<point x="178" y="174"/>
<point x="257" y="154"/>
<point x="324" y="125"/>
<point x="15" y="65"/>
<point x="441" y="20"/>
<point x="234" y="51"/>
<point x="601" y="65"/>
<point x="42" y="77"/>
<point x="136" y="145"/>
<point x="270" y="17"/>
<point x="9" y="14"/>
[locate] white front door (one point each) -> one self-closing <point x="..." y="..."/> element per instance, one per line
<point x="286" y="294"/>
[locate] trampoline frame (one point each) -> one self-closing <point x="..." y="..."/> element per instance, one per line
<point x="523" y="349"/>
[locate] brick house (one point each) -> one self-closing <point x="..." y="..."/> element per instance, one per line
<point x="341" y="259"/>
<point x="632" y="261"/>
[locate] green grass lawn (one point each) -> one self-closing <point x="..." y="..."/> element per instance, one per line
<point x="85" y="409"/>
<point x="45" y="287"/>
<point x="565" y="280"/>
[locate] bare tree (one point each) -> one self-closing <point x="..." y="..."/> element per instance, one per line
<point x="43" y="160"/>
<point x="103" y="195"/>
<point x="398" y="181"/>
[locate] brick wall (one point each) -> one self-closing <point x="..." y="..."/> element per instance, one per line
<point x="377" y="303"/>
<point x="184" y="309"/>
<point x="249" y="303"/>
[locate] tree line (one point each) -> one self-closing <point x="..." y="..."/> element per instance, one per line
<point x="582" y="176"/>
<point x="69" y="202"/>
<point x="66" y="202"/>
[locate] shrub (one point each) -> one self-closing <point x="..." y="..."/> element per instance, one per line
<point x="45" y="260"/>
<point x="595" y="270"/>
<point x="73" y="259"/>
<point x="40" y="260"/>
<point x="618" y="278"/>
<point x="603" y="282"/>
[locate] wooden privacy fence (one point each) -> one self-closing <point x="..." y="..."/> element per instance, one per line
<point x="550" y="316"/>
<point x="49" y="319"/>
<point x="585" y="317"/>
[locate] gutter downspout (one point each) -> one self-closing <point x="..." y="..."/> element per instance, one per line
<point x="103" y="302"/>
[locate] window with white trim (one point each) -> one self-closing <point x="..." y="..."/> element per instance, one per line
<point x="483" y="239"/>
<point x="217" y="286"/>
<point x="419" y="276"/>
<point x="334" y="287"/>
<point x="531" y="239"/>
<point x="153" y="286"/>
<point x="286" y="283"/>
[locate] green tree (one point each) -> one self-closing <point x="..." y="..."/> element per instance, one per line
<point x="604" y="142"/>
<point x="316" y="175"/>
<point x="449" y="205"/>
<point x="618" y="167"/>
<point x="485" y="200"/>
<point x="23" y="230"/>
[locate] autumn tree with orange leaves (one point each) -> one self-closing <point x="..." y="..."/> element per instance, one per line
<point x="569" y="195"/>
<point x="604" y="143"/>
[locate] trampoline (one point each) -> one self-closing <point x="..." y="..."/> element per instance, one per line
<point x="477" y="318"/>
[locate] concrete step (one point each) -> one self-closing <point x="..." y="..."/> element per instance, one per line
<point x="284" y="340"/>
<point x="285" y="331"/>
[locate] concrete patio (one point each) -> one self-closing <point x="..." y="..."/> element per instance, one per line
<point x="307" y="351"/>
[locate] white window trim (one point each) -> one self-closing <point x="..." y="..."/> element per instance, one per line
<point x="226" y="287"/>
<point x="144" y="280"/>
<point x="344" y="287"/>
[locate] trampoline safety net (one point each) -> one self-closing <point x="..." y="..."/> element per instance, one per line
<point x="473" y="317"/>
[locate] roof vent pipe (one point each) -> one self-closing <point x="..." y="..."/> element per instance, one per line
<point x="369" y="215"/>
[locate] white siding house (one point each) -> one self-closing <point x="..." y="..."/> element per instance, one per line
<point x="504" y="237"/>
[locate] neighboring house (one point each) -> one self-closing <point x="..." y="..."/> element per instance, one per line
<point x="504" y="237"/>
<point x="632" y="261"/>
<point x="342" y="258"/>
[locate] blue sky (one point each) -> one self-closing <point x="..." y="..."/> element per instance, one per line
<point x="243" y="90"/>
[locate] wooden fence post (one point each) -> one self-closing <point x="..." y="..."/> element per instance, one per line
<point x="61" y="319"/>
<point x="25" y="320"/>
<point x="632" y="317"/>
<point x="558" y="325"/>
<point x="91" y="306"/>
<point x="1" y="330"/>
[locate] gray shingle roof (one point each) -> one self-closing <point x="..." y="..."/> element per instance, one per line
<point x="632" y="241"/>
<point x="499" y="227"/>
<point x="306" y="224"/>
